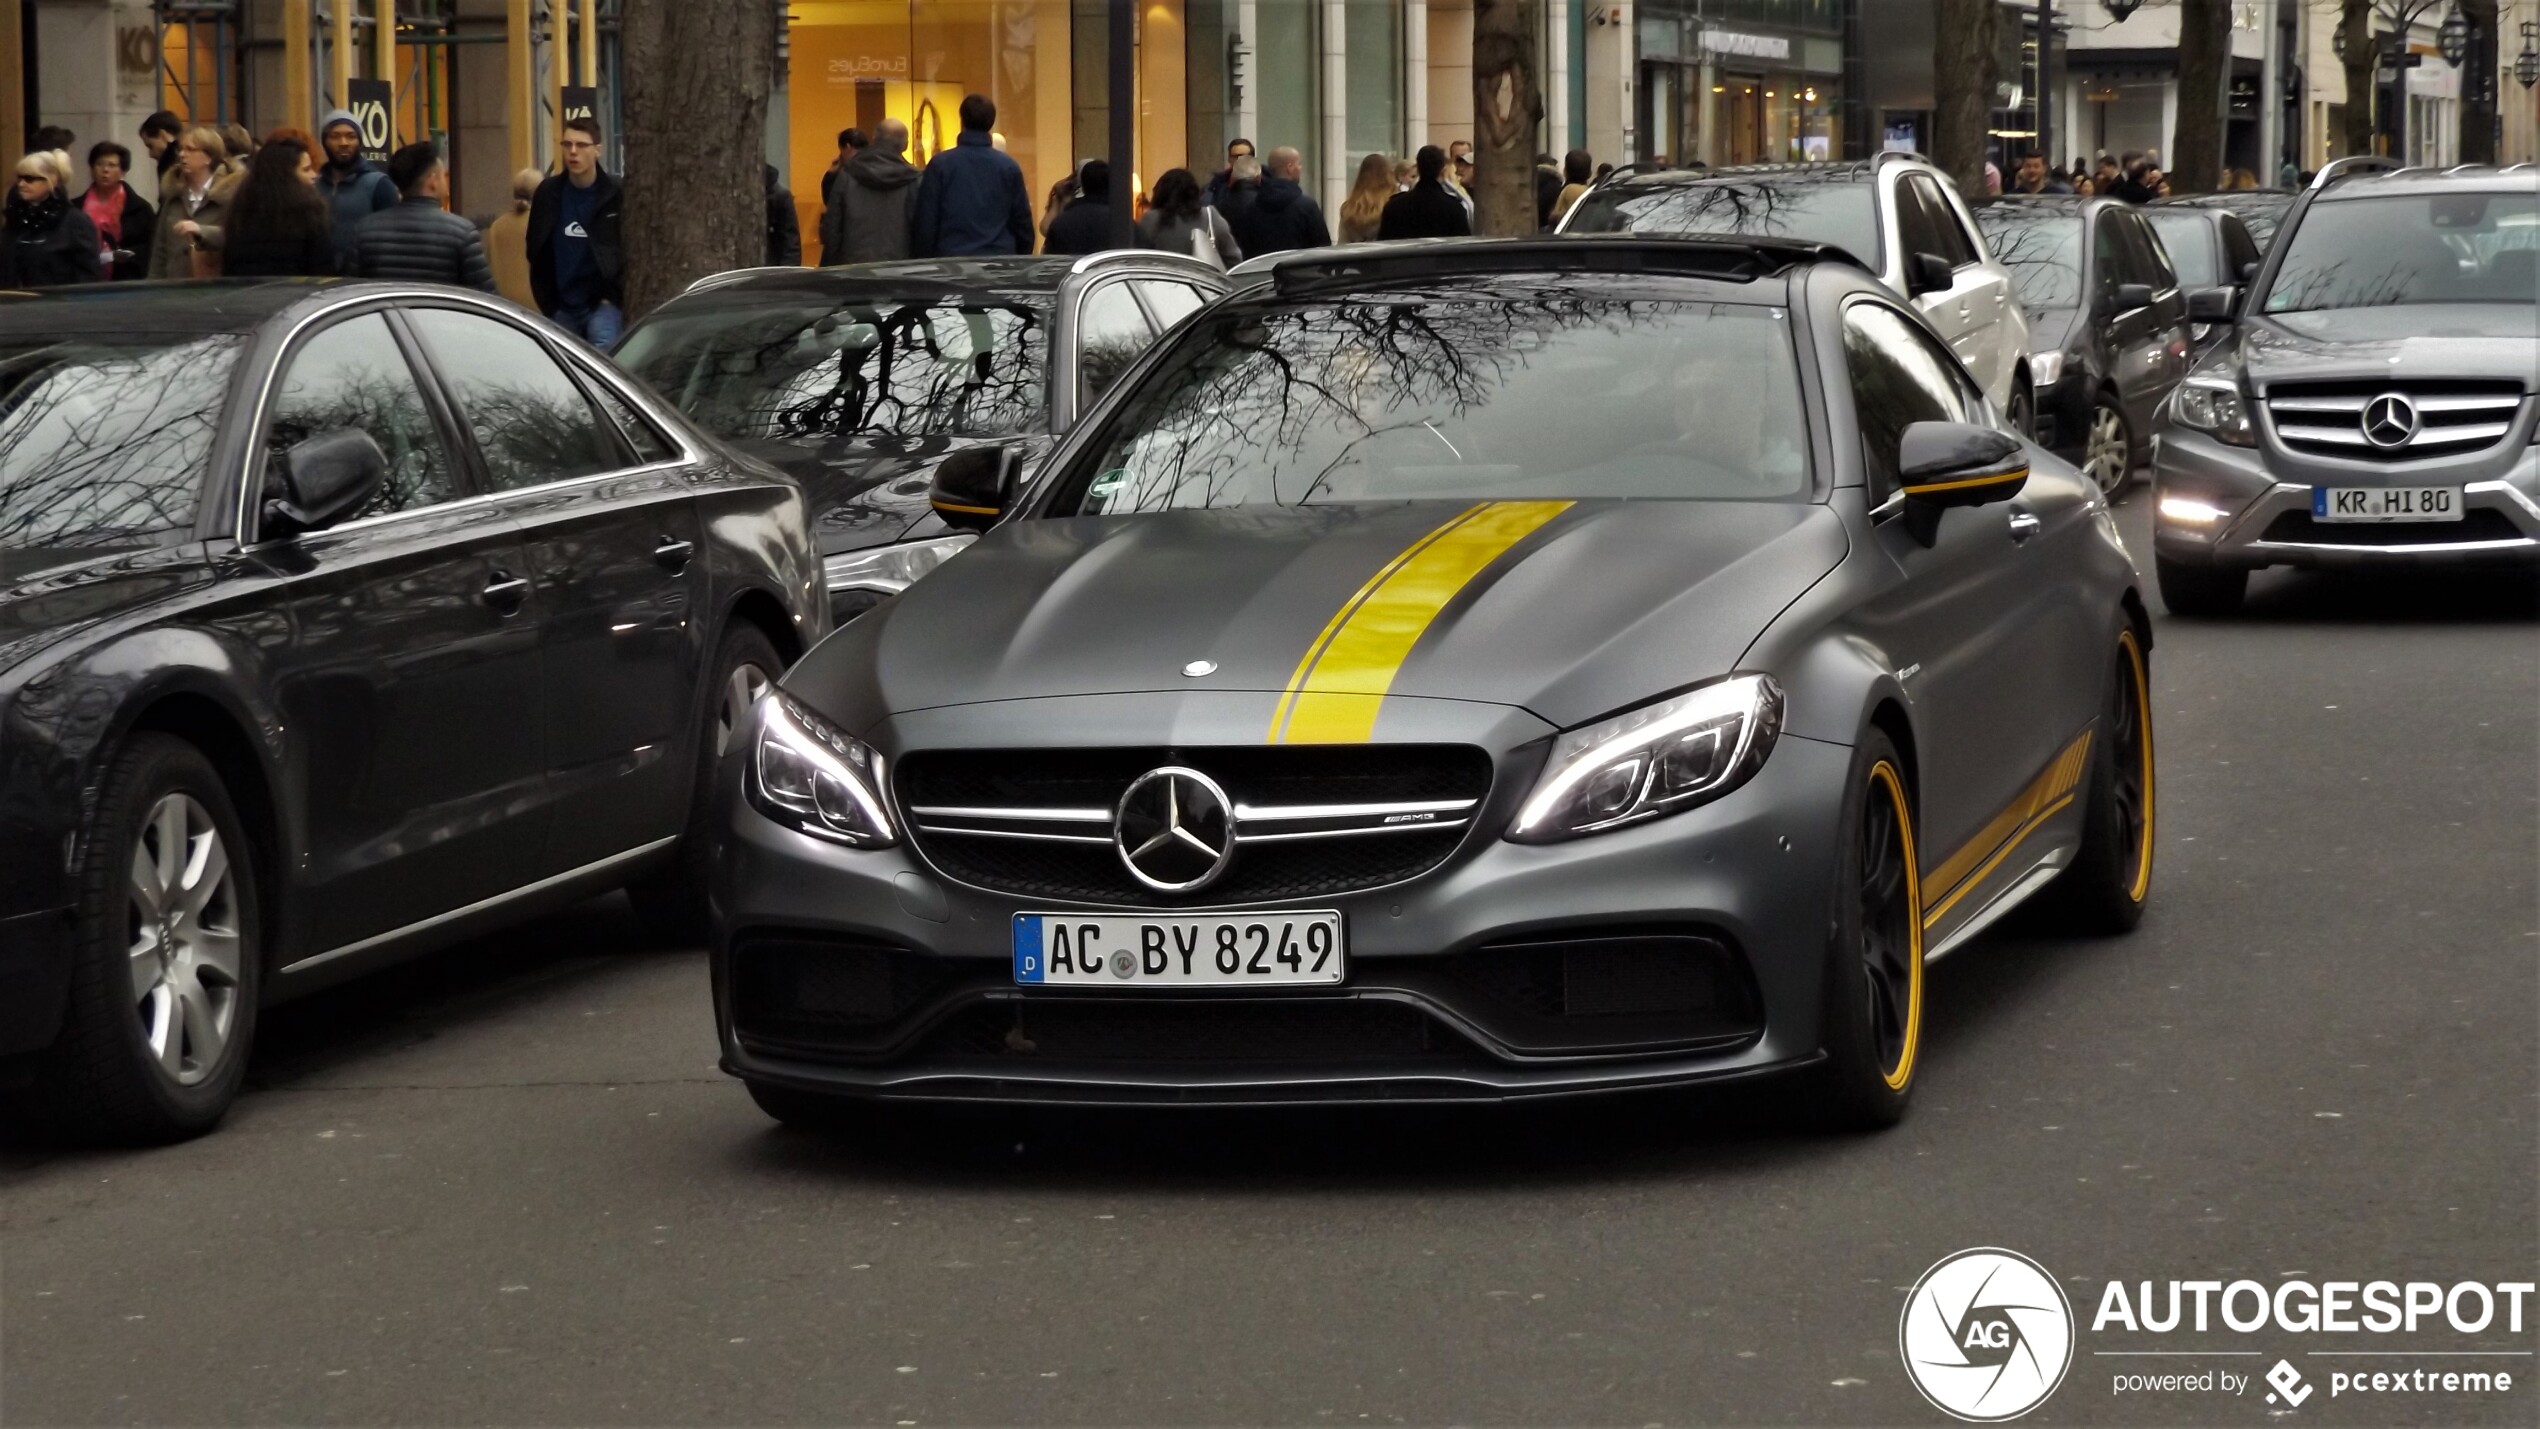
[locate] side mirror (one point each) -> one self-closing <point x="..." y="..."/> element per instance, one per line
<point x="2132" y="296"/>
<point x="324" y="479"/>
<point x="2212" y="305"/>
<point x="1947" y="464"/>
<point x="1927" y="273"/>
<point x="973" y="486"/>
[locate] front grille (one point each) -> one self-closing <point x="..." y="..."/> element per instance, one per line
<point x="1195" y="1031"/>
<point x="1038" y="823"/>
<point x="2347" y="419"/>
<point x="2481" y="524"/>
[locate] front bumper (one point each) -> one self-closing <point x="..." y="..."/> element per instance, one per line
<point x="2265" y="505"/>
<point x="1719" y="912"/>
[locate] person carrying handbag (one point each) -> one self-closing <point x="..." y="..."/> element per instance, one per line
<point x="1178" y="222"/>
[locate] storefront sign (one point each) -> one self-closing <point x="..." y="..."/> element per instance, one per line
<point x="1738" y="42"/>
<point x="371" y="101"/>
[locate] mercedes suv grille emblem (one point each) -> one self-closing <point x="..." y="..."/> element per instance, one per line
<point x="2390" y="420"/>
<point x="1175" y="829"/>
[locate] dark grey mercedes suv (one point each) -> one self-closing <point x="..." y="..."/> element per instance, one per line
<point x="2373" y="403"/>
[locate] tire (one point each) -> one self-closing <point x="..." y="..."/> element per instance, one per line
<point x="1873" y="1012"/>
<point x="810" y="1111"/>
<point x="2107" y="446"/>
<point x="168" y="954"/>
<point x="2198" y="591"/>
<point x="2104" y="890"/>
<point x="2022" y="410"/>
<point x="673" y="901"/>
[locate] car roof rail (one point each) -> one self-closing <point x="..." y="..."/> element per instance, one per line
<point x="1733" y="260"/>
<point x="1900" y="156"/>
<point x="1654" y="166"/>
<point x="2336" y="170"/>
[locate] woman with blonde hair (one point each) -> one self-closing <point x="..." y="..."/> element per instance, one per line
<point x="190" y="201"/>
<point x="47" y="240"/>
<point x="1364" y="209"/>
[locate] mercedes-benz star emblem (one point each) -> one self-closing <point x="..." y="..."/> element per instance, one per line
<point x="1175" y="829"/>
<point x="2390" y="420"/>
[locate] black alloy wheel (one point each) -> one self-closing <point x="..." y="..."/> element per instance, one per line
<point x="2105" y="888"/>
<point x="1874" y="989"/>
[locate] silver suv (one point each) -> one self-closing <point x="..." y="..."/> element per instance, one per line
<point x="1901" y="217"/>
<point x="2373" y="403"/>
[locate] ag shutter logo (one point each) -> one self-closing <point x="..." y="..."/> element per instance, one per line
<point x="1987" y="1335"/>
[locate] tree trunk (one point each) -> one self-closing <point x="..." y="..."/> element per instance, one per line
<point x="2480" y="78"/>
<point x="1507" y="105"/>
<point x="1962" y="88"/>
<point x="697" y="79"/>
<point x="2204" y="62"/>
<point x="2355" y="18"/>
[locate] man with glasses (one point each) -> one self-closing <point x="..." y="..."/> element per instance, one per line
<point x="577" y="265"/>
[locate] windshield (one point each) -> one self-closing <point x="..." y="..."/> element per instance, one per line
<point x="1838" y="213"/>
<point x="2416" y="248"/>
<point x="1441" y="396"/>
<point x="918" y="368"/>
<point x="2044" y="256"/>
<point x="103" y="439"/>
<point x="2190" y="248"/>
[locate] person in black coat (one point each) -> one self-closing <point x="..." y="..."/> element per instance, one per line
<point x="577" y="253"/>
<point x="419" y="241"/>
<point x="1427" y="209"/>
<point x="1284" y="216"/>
<point x="1084" y="226"/>
<point x="45" y="241"/>
<point x="784" y="227"/>
<point x="278" y="225"/>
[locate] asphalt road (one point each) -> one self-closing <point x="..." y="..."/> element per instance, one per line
<point x="508" y="1185"/>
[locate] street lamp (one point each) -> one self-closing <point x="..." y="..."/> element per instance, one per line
<point x="2119" y="10"/>
<point x="2527" y="65"/>
<point x="2451" y="38"/>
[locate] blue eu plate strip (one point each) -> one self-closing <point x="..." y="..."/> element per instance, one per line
<point x="1028" y="965"/>
<point x="2319" y="501"/>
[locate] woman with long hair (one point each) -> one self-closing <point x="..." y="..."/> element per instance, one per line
<point x="1364" y="209"/>
<point x="46" y="240"/>
<point x="278" y="227"/>
<point x="1176" y="218"/>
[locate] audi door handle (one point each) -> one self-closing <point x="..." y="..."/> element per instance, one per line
<point x="2024" y="525"/>
<point x="673" y="553"/>
<point x="505" y="592"/>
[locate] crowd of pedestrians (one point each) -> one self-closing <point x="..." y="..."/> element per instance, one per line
<point x="2134" y="176"/>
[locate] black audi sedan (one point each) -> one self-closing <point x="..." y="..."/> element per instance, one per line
<point x="858" y="380"/>
<point x="2107" y="324"/>
<point x="338" y="621"/>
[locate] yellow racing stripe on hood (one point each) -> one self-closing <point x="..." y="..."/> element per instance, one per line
<point x="1340" y="684"/>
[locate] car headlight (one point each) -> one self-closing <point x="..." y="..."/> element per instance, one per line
<point x="892" y="569"/>
<point x="807" y="774"/>
<point x="1654" y="760"/>
<point x="2214" y="407"/>
<point x="2045" y="369"/>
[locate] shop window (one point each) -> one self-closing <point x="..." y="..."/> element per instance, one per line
<point x="1375" y="78"/>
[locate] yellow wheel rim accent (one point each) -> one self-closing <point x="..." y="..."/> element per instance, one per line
<point x="1884" y="779"/>
<point x="2143" y="721"/>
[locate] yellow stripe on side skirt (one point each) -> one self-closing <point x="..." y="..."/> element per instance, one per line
<point x="1340" y="684"/>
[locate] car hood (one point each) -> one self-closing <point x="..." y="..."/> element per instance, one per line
<point x="865" y="490"/>
<point x="2429" y="340"/>
<point x="53" y="592"/>
<point x="1566" y="609"/>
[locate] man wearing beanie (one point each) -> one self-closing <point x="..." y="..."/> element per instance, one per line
<point x="354" y="188"/>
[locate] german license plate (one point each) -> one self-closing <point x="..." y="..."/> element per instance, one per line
<point x="1177" y="949"/>
<point x="2385" y="503"/>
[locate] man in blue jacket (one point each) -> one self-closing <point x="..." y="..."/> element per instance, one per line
<point x="972" y="200"/>
<point x="354" y="188"/>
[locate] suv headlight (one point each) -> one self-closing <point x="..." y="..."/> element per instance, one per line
<point x="807" y="774"/>
<point x="2045" y="369"/>
<point x="892" y="569"/>
<point x="1658" y="759"/>
<point x="2213" y="406"/>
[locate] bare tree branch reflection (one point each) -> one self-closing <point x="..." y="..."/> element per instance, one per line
<point x="103" y="442"/>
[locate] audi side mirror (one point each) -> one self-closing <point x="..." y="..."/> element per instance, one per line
<point x="2133" y="296"/>
<point x="2212" y="305"/>
<point x="324" y="479"/>
<point x="1927" y="273"/>
<point x="973" y="486"/>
